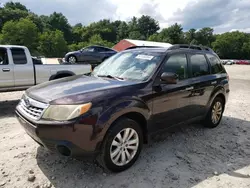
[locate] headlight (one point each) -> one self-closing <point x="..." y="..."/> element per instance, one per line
<point x="65" y="112"/>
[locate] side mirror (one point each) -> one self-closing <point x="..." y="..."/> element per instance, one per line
<point x="169" y="78"/>
<point x="81" y="50"/>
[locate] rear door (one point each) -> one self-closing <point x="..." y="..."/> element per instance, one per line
<point x="23" y="70"/>
<point x="6" y="70"/>
<point x="203" y="83"/>
<point x="101" y="53"/>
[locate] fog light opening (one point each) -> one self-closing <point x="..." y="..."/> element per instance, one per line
<point x="65" y="151"/>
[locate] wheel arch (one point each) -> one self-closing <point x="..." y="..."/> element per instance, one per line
<point x="137" y="117"/>
<point x="61" y="74"/>
<point x="139" y="113"/>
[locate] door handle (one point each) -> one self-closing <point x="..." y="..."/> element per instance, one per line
<point x="6" y="70"/>
<point x="215" y="82"/>
<point x="189" y="88"/>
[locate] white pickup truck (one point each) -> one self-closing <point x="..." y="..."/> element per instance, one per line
<point x="19" y="71"/>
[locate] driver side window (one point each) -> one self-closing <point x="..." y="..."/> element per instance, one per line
<point x="177" y="64"/>
<point x="89" y="49"/>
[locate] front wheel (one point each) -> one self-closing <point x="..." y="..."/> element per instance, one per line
<point x="122" y="145"/>
<point x="215" y="113"/>
<point x="72" y="59"/>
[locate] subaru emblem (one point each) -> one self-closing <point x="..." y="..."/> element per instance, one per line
<point x="27" y="102"/>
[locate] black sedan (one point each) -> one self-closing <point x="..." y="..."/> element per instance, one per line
<point x="91" y="54"/>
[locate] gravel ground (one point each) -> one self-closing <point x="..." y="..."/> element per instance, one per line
<point x="190" y="156"/>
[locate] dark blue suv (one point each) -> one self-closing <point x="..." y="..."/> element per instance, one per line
<point x="111" y="113"/>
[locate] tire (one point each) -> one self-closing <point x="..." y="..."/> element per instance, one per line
<point x="104" y="158"/>
<point x="210" y="120"/>
<point x="72" y="59"/>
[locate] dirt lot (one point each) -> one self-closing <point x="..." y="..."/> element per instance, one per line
<point x="191" y="156"/>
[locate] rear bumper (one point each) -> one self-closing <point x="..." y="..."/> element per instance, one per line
<point x="62" y="139"/>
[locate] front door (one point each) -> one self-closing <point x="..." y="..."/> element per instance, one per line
<point x="6" y="70"/>
<point x="90" y="55"/>
<point x="171" y="103"/>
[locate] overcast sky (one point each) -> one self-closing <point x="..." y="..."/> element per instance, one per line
<point x="222" y="15"/>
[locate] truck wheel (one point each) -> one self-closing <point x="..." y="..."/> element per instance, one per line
<point x="122" y="145"/>
<point x="215" y="113"/>
<point x="72" y="59"/>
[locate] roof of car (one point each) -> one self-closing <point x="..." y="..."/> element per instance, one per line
<point x="148" y="49"/>
<point x="11" y="46"/>
<point x="100" y="47"/>
<point x="186" y="48"/>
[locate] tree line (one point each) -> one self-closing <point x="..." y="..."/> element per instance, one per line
<point x="53" y="36"/>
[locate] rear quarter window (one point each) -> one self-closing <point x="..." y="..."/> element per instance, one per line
<point x="19" y="56"/>
<point x="199" y="65"/>
<point x="216" y="66"/>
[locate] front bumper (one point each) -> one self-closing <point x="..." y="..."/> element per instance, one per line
<point x="77" y="139"/>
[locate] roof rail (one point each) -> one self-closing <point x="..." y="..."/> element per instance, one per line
<point x="194" y="47"/>
<point x="135" y="47"/>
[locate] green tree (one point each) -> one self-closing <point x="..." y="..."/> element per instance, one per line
<point x="105" y="28"/>
<point x="37" y="21"/>
<point x="75" y="47"/>
<point x="155" y="37"/>
<point x="147" y="26"/>
<point x="246" y="48"/>
<point x="77" y="31"/>
<point x="23" y="32"/>
<point x="15" y="5"/>
<point x="97" y="40"/>
<point x="133" y="25"/>
<point x="122" y="31"/>
<point x="232" y="45"/>
<point x="190" y="36"/>
<point x="57" y="21"/>
<point x="9" y="13"/>
<point x="136" y="35"/>
<point x="133" y="30"/>
<point x="172" y="34"/>
<point x="52" y="44"/>
<point x="205" y="36"/>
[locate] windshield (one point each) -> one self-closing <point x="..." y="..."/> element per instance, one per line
<point x="129" y="65"/>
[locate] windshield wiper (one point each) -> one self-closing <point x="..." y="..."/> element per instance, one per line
<point x="110" y="76"/>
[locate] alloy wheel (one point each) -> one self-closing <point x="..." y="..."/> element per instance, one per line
<point x="72" y="59"/>
<point x="216" y="112"/>
<point x="124" y="147"/>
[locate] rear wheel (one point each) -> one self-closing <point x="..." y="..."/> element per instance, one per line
<point x="122" y="145"/>
<point x="215" y="113"/>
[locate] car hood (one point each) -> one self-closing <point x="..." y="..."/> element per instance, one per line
<point x="75" y="89"/>
<point x="74" y="52"/>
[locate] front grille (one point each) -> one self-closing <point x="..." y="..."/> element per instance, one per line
<point x="31" y="108"/>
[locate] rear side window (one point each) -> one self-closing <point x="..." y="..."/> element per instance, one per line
<point x="199" y="65"/>
<point x="19" y="56"/>
<point x="177" y="64"/>
<point x="99" y="49"/>
<point x="216" y="66"/>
